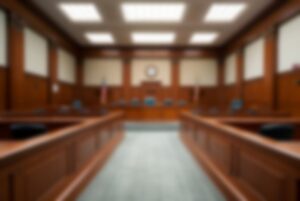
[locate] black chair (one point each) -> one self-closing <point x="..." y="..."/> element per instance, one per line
<point x="214" y="111"/>
<point x="168" y="102"/>
<point x="278" y="131"/>
<point x="23" y="131"/>
<point x="182" y="103"/>
<point x="39" y="111"/>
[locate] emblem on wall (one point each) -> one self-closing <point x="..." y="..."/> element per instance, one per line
<point x="151" y="71"/>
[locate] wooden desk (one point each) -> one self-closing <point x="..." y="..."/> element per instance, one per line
<point x="56" y="165"/>
<point x="244" y="164"/>
<point x="156" y="113"/>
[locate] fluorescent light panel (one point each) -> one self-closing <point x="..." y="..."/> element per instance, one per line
<point x="153" y="12"/>
<point x="100" y="38"/>
<point x="225" y="12"/>
<point x="153" y="37"/>
<point x="81" y="12"/>
<point x="203" y="38"/>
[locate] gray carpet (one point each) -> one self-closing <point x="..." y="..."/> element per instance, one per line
<point x="151" y="164"/>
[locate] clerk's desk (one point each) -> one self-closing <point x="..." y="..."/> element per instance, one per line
<point x="245" y="164"/>
<point x="153" y="113"/>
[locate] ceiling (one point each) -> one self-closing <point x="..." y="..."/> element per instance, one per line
<point x="114" y="23"/>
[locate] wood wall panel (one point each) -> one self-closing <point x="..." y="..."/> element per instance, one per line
<point x="288" y="92"/>
<point x="4" y="190"/>
<point x="35" y="90"/>
<point x="209" y="97"/>
<point x="258" y="175"/>
<point x="47" y="172"/>
<point x="66" y="94"/>
<point x="3" y="89"/>
<point x="220" y="150"/>
<point x="228" y="94"/>
<point x="85" y="148"/>
<point x="255" y="94"/>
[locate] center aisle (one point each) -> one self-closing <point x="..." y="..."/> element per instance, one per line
<point x="151" y="164"/>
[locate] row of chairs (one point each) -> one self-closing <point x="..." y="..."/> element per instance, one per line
<point x="150" y="101"/>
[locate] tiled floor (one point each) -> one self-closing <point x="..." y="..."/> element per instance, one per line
<point x="151" y="165"/>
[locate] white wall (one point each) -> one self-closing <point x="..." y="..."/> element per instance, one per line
<point x="289" y="45"/>
<point x="139" y="66"/>
<point x="200" y="71"/>
<point x="66" y="67"/>
<point x="36" y="53"/>
<point x="230" y="69"/>
<point x="254" y="60"/>
<point x="95" y="70"/>
<point x="3" y="39"/>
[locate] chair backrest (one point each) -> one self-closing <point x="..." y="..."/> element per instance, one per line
<point x="168" y="102"/>
<point x="278" y="131"/>
<point x="182" y="102"/>
<point x="77" y="104"/>
<point x="23" y="131"/>
<point x="150" y="101"/>
<point x="236" y="104"/>
<point x="135" y="102"/>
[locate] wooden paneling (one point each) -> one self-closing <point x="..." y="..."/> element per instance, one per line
<point x="255" y="94"/>
<point x="246" y="165"/>
<point x="5" y="184"/>
<point x="42" y="173"/>
<point x="53" y="80"/>
<point x="272" y="92"/>
<point x="282" y="12"/>
<point x="228" y="94"/>
<point x="209" y="97"/>
<point x="85" y="148"/>
<point x="3" y="89"/>
<point x="59" y="163"/>
<point x="39" y="23"/>
<point x="258" y="174"/>
<point x="66" y="94"/>
<point x="288" y="92"/>
<point x="16" y="64"/>
<point x="35" y="90"/>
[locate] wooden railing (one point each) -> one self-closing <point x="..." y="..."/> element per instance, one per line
<point x="56" y="165"/>
<point x="244" y="164"/>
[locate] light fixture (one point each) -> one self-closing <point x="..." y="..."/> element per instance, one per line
<point x="225" y="12"/>
<point x="153" y="12"/>
<point x="81" y="12"/>
<point x="203" y="38"/>
<point x="153" y="37"/>
<point x="99" y="38"/>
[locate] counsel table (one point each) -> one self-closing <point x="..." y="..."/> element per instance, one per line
<point x="158" y="112"/>
<point x="55" y="165"/>
<point x="246" y="165"/>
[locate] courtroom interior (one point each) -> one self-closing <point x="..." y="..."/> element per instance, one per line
<point x="149" y="100"/>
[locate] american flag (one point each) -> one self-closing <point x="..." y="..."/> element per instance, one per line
<point x="103" y="92"/>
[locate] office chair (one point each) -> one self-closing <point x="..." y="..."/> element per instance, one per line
<point x="23" y="131"/>
<point x="278" y="131"/>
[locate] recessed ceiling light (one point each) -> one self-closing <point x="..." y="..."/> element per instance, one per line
<point x="153" y="37"/>
<point x="153" y="12"/>
<point x="81" y="12"/>
<point x="100" y="38"/>
<point x="203" y="38"/>
<point x="225" y="12"/>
